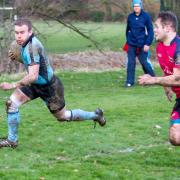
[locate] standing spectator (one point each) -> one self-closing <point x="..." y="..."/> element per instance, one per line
<point x="139" y="36"/>
<point x="125" y="48"/>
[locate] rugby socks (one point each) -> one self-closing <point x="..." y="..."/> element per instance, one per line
<point x="13" y="123"/>
<point x="78" y="114"/>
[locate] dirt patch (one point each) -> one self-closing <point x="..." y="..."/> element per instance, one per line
<point x="88" y="61"/>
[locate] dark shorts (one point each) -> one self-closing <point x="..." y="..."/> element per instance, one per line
<point x="175" y="115"/>
<point x="52" y="94"/>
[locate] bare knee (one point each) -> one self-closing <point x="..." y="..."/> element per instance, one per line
<point x="60" y="117"/>
<point x="15" y="101"/>
<point x="13" y="104"/>
<point x="63" y="115"/>
<point x="174" y="134"/>
<point x="174" y="141"/>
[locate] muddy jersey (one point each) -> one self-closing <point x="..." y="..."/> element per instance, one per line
<point x="32" y="52"/>
<point x="169" y="58"/>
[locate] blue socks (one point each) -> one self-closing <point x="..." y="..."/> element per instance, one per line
<point x="13" y="123"/>
<point x="78" y="114"/>
<point x="14" y="119"/>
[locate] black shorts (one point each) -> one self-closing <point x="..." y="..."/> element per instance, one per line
<point x="52" y="93"/>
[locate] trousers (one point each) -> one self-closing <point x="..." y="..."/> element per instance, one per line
<point x="131" y="65"/>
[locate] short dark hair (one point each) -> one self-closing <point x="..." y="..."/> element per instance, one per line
<point x="23" y="21"/>
<point x="168" y="18"/>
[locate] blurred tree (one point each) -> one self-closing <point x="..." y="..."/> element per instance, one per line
<point x="6" y="16"/>
<point x="64" y="12"/>
<point x="108" y="7"/>
<point x="172" y="5"/>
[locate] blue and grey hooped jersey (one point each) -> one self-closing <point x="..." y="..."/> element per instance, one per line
<point x="33" y="52"/>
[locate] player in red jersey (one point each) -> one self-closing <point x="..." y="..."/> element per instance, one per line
<point x="168" y="54"/>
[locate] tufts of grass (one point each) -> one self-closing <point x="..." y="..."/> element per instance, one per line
<point x="129" y="147"/>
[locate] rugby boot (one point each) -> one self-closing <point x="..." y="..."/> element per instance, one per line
<point x="3" y="138"/>
<point x="100" y="119"/>
<point x="4" y="142"/>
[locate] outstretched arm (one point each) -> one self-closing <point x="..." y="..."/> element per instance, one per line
<point x="172" y="80"/>
<point x="32" y="76"/>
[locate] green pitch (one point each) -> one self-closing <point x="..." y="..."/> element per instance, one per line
<point x="58" y="39"/>
<point x="131" y="146"/>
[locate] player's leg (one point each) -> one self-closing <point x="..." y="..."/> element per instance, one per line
<point x="149" y="62"/>
<point x="174" y="129"/>
<point x="149" y="59"/>
<point x="145" y="64"/>
<point x="174" y="134"/>
<point x="80" y="115"/>
<point x="131" y="64"/>
<point x="15" y="101"/>
<point x="56" y="104"/>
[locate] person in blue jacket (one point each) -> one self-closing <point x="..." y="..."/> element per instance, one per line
<point x="139" y="36"/>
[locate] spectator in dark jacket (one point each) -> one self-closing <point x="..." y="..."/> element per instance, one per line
<point x="139" y="36"/>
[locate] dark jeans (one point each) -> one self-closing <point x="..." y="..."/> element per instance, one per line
<point x="131" y="65"/>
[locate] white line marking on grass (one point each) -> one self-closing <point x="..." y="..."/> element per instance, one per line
<point x="126" y="150"/>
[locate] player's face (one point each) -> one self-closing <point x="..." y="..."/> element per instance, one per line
<point x="22" y="33"/>
<point x="159" y="31"/>
<point x="137" y="9"/>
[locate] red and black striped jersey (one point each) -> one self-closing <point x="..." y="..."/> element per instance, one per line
<point x="169" y="58"/>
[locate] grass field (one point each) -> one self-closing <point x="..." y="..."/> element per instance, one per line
<point x="129" y="147"/>
<point x="59" y="39"/>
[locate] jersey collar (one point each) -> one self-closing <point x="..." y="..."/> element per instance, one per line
<point x="174" y="39"/>
<point x="28" y="40"/>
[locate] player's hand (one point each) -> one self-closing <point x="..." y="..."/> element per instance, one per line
<point x="7" y="86"/>
<point x="146" y="79"/>
<point x="11" y="55"/>
<point x="169" y="93"/>
<point x="146" y="48"/>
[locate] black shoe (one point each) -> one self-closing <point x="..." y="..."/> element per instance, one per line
<point x="100" y="118"/>
<point x="3" y="138"/>
<point x="7" y="143"/>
